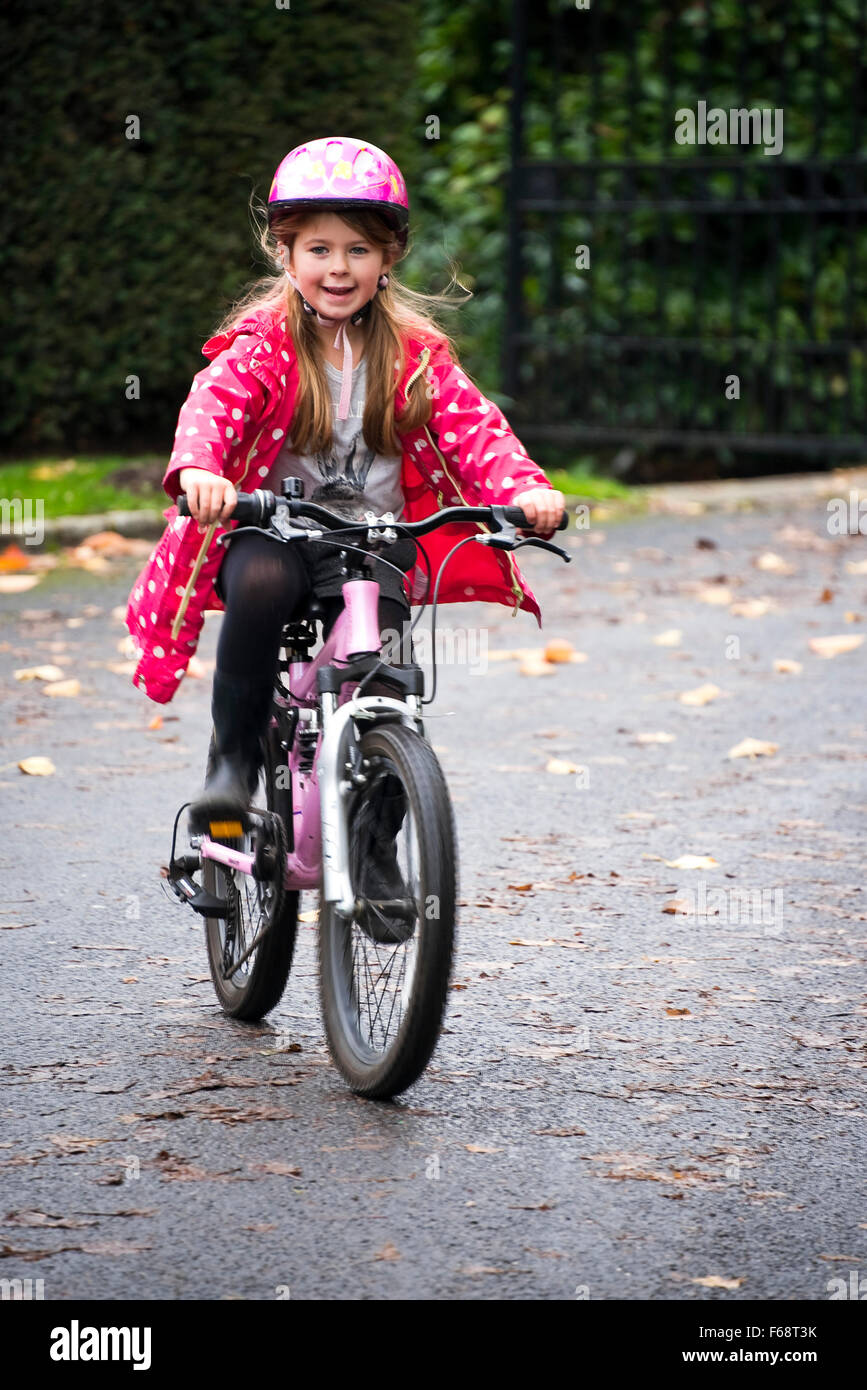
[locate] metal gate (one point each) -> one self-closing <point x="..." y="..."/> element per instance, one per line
<point x="694" y="292"/>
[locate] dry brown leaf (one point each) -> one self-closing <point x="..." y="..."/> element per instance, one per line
<point x="670" y="638"/>
<point x="693" y="861"/>
<point x="787" y="666"/>
<point x="37" y="767"/>
<point x="39" y="673"/>
<point x="74" y="1144"/>
<point x="276" y="1167"/>
<point x="156" y="722"/>
<point x="677" y="1013"/>
<point x="716" y="1281"/>
<point x="62" y="688"/>
<point x="481" y="1149"/>
<point x="675" y="906"/>
<point x="702" y="695"/>
<point x="388" y="1252"/>
<point x="836" y="645"/>
<point x="751" y="607"/>
<point x="560" y="1133"/>
<point x="18" y="583"/>
<point x="520" y="887"/>
<point x="717" y="594"/>
<point x="773" y="563"/>
<point x="481" y="1269"/>
<point x="851" y="617"/>
<point x="559" y="649"/>
<point x="14" y="558"/>
<point x="561" y="766"/>
<point x="753" y="748"/>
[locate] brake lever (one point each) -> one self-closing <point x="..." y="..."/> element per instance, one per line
<point x="544" y="545"/>
<point x="507" y="538"/>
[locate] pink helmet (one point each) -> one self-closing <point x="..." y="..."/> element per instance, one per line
<point x="337" y="172"/>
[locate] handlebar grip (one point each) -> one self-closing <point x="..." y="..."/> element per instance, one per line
<point x="251" y="508"/>
<point x="515" y="516"/>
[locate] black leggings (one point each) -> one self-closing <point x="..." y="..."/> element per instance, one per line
<point x="265" y="585"/>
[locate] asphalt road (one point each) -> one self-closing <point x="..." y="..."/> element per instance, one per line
<point x="625" y="1102"/>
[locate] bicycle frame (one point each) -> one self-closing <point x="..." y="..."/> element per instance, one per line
<point x="320" y="840"/>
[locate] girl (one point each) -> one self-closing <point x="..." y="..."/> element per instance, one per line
<point x="382" y="417"/>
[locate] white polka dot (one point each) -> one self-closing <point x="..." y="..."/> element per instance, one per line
<point x="236" y="413"/>
<point x="469" y="591"/>
<point x="152" y="586"/>
<point x="171" y="558"/>
<point x="192" y="430"/>
<point x="450" y="438"/>
<point x="453" y="407"/>
<point x="484" y="408"/>
<point x="242" y="366"/>
<point x="142" y="622"/>
<point x="283" y="325"/>
<point x="508" y="482"/>
<point x="469" y="458"/>
<point x="180" y="591"/>
<point x="282" y="381"/>
<point x="187" y="458"/>
<point x="276" y="434"/>
<point x="158" y="652"/>
<point x="199" y="410"/>
<point x="216" y="371"/>
<point x="153" y="617"/>
<point x="463" y="383"/>
<point x="230" y="433"/>
<point x="488" y="483"/>
<point x="264" y="471"/>
<point x="179" y="673"/>
<point x="160" y="562"/>
<point x="489" y="456"/>
<point x="517" y="456"/>
<point x="267" y="347"/>
<point x="284" y="354"/>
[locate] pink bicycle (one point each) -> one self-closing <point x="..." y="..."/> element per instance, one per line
<point x="344" y="774"/>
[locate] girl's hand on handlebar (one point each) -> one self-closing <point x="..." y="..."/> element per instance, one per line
<point x="211" y="497"/>
<point x="542" y="506"/>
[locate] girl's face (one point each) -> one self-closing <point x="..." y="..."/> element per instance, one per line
<point x="336" y="268"/>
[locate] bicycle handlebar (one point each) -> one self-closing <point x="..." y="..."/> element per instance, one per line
<point x="256" y="508"/>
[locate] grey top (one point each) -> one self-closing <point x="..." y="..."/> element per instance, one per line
<point x="350" y="478"/>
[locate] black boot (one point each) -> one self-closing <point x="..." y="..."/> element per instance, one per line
<point x="375" y="870"/>
<point x="240" y="706"/>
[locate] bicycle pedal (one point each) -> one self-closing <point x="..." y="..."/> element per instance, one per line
<point x="187" y="890"/>
<point x="225" y="829"/>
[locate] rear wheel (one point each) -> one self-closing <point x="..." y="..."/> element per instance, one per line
<point x="248" y="988"/>
<point x="384" y="973"/>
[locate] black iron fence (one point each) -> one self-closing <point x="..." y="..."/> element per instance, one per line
<point x="687" y="247"/>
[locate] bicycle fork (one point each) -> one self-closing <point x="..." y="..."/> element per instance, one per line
<point x="340" y="773"/>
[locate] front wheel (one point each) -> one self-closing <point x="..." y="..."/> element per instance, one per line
<point x="384" y="973"/>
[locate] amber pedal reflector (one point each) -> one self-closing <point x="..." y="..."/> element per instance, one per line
<point x="226" y="829"/>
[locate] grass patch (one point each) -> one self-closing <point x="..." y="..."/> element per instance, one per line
<point x="79" y="486"/>
<point x="582" y="482"/>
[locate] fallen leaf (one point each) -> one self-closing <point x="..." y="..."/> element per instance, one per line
<point x="786" y="666"/>
<point x="156" y="722"/>
<point x="670" y="638"/>
<point x="677" y="906"/>
<point x="37" y="767"/>
<point x="560" y="1133"/>
<point x="677" y="1013"/>
<point x="481" y="1149"/>
<point x="558" y="649"/>
<point x="18" y="583"/>
<point x="62" y="688"/>
<point x="753" y="748"/>
<point x="39" y="673"/>
<point x="654" y="738"/>
<point x="751" y="608"/>
<point x="837" y="645"/>
<point x="74" y="1144"/>
<point x="14" y="558"/>
<point x="388" y="1252"/>
<point x="42" y="1220"/>
<point x="856" y="566"/>
<point x="520" y="887"/>
<point x="277" y="1167"/>
<point x="716" y="1281"/>
<point x="702" y="695"/>
<point x="716" y="594"/>
<point x="480" y="1269"/>
<point x="774" y="564"/>
<point x="561" y="766"/>
<point x="693" y="861"/>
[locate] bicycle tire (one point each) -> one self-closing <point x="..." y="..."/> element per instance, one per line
<point x="266" y="978"/>
<point x="379" y="1076"/>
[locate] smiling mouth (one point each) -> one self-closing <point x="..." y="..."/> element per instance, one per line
<point x="330" y="289"/>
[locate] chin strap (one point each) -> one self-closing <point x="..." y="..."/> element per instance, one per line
<point x="341" y="338"/>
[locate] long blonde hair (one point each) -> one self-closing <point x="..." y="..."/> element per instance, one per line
<point x="396" y="313"/>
